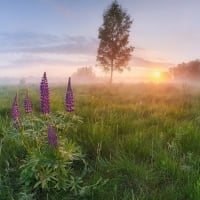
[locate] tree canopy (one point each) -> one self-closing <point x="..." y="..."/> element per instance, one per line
<point x="84" y="75"/>
<point x="187" y="71"/>
<point x="114" y="50"/>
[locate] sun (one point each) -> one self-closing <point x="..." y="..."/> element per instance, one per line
<point x="156" y="76"/>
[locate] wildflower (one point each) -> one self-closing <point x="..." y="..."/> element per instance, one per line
<point x="15" y="112"/>
<point x="44" y="95"/>
<point x="52" y="138"/>
<point x="69" y="97"/>
<point x="27" y="104"/>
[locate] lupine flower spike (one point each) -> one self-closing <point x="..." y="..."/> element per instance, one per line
<point x="69" y="97"/>
<point x="15" y="112"/>
<point x="27" y="104"/>
<point x="52" y="137"/>
<point x="44" y="95"/>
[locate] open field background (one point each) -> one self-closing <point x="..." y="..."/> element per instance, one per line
<point x="143" y="139"/>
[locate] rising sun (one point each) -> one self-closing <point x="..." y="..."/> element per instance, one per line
<point x="157" y="75"/>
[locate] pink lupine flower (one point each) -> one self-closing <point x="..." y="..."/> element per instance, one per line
<point x="69" y="97"/>
<point x="15" y="112"/>
<point x="44" y="95"/>
<point x="27" y="104"/>
<point x="52" y="137"/>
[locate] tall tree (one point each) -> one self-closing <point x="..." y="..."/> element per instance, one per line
<point x="114" y="51"/>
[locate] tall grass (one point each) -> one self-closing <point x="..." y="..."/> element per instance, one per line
<point x="144" y="139"/>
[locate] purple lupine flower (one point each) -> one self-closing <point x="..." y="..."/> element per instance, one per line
<point x="69" y="97"/>
<point x="27" y="104"/>
<point x="15" y="112"/>
<point x="52" y="137"/>
<point x="44" y="95"/>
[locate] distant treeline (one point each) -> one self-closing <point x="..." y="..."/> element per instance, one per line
<point x="86" y="75"/>
<point x="187" y="71"/>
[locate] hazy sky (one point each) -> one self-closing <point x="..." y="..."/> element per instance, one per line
<point x="58" y="36"/>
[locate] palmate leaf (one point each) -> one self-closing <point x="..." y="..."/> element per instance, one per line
<point x="74" y="184"/>
<point x="27" y="175"/>
<point x="69" y="151"/>
<point x="64" y="122"/>
<point x="26" y="196"/>
<point x="46" y="176"/>
<point x="50" y="167"/>
<point x="13" y="133"/>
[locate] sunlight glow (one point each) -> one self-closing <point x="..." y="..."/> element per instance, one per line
<point x="156" y="76"/>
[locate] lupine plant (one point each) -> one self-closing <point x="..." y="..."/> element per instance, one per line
<point x="52" y="137"/>
<point x="44" y="95"/>
<point x="69" y="97"/>
<point x="27" y="104"/>
<point x="52" y="161"/>
<point x="15" y="112"/>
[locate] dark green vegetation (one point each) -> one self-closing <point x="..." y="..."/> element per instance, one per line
<point x="142" y="141"/>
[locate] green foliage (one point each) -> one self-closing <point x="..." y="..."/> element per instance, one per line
<point x="114" y="52"/>
<point x="142" y="138"/>
<point x="46" y="168"/>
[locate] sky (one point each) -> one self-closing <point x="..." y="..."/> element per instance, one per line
<point x="59" y="36"/>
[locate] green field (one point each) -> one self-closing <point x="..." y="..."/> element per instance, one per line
<point x="139" y="141"/>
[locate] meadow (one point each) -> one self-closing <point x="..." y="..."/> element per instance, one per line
<point x="140" y="142"/>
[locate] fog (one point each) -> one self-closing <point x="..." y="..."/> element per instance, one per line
<point x="82" y="80"/>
